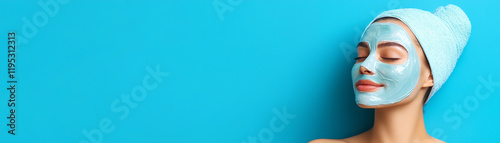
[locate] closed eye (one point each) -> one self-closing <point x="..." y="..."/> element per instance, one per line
<point x="357" y="58"/>
<point x="391" y="59"/>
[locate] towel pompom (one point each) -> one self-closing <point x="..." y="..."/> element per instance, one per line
<point x="458" y="23"/>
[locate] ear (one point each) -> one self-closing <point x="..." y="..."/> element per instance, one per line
<point x="429" y="81"/>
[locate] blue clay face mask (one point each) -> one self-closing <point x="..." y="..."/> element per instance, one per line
<point x="396" y="81"/>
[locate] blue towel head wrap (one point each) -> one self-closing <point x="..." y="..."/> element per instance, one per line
<point x="442" y="35"/>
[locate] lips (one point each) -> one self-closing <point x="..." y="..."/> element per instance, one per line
<point x="367" y="86"/>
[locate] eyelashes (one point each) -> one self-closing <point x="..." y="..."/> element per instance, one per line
<point x="390" y="59"/>
<point x="357" y="58"/>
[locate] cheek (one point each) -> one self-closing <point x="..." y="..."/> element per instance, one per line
<point x="355" y="75"/>
<point x="355" y="71"/>
<point x="389" y="71"/>
<point x="393" y="74"/>
<point x="400" y="76"/>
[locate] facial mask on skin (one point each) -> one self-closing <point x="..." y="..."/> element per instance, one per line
<point x="398" y="80"/>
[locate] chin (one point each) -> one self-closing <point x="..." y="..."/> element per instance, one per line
<point x="378" y="106"/>
<point x="406" y="100"/>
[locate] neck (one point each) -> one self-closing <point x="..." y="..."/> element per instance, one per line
<point x="400" y="123"/>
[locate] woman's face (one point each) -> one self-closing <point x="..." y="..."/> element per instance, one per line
<point x="388" y="67"/>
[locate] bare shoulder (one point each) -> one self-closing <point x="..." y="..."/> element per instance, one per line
<point x="437" y="141"/>
<point x="346" y="140"/>
<point x="327" y="141"/>
<point x="354" y="139"/>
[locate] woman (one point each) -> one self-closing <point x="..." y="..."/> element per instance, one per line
<point x="404" y="57"/>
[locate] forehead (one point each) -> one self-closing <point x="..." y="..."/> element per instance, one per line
<point x="403" y="25"/>
<point x="385" y="32"/>
<point x="390" y="32"/>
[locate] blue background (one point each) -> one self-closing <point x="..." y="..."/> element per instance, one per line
<point x="227" y="74"/>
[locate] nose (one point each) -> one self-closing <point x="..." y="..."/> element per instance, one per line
<point x="363" y="70"/>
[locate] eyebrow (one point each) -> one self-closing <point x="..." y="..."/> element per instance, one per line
<point x="362" y="44"/>
<point x="387" y="44"/>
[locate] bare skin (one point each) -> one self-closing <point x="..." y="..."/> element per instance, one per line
<point x="401" y="122"/>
